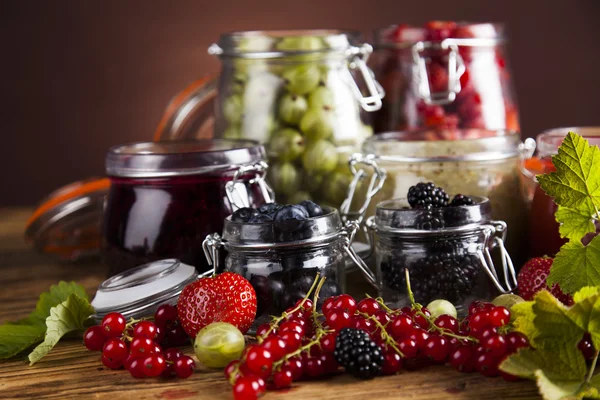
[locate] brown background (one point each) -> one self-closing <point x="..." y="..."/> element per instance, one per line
<point x="79" y="76"/>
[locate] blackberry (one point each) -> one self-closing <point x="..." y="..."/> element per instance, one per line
<point x="461" y="200"/>
<point x="430" y="219"/>
<point x="427" y="194"/>
<point x="358" y="354"/>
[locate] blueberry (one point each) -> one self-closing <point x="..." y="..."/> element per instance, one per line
<point x="313" y="209"/>
<point x="243" y="214"/>
<point x="260" y="218"/>
<point x="269" y="208"/>
<point x="289" y="213"/>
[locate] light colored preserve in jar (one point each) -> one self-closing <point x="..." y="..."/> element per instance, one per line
<point x="301" y="94"/>
<point x="487" y="165"/>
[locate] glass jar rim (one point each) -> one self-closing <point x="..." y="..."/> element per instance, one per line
<point x="473" y="34"/>
<point x="549" y="140"/>
<point x="177" y="158"/>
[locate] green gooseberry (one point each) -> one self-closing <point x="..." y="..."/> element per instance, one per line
<point x="321" y="97"/>
<point x="232" y="132"/>
<point x="335" y="188"/>
<point x="320" y="157"/>
<point x="233" y="109"/>
<point x="284" y="178"/>
<point x="313" y="182"/>
<point x="301" y="79"/>
<point x="318" y="123"/>
<point x="292" y="107"/>
<point x="298" y="197"/>
<point x="300" y="43"/>
<point x="286" y="145"/>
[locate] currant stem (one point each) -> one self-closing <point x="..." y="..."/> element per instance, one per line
<point x="592" y="367"/>
<point x="388" y="339"/>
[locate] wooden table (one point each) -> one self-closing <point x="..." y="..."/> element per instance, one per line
<point x="70" y="371"/>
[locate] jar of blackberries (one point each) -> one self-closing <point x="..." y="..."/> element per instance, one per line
<point x="305" y="95"/>
<point x="280" y="250"/>
<point x="445" y="74"/>
<point x="444" y="252"/>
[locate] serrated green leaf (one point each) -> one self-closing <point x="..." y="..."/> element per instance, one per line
<point x="66" y="317"/>
<point x="574" y="223"/>
<point x="585" y="292"/>
<point x="556" y="390"/>
<point x="576" y="266"/>
<point x="53" y="297"/>
<point x="552" y="322"/>
<point x="16" y="338"/>
<point x="523" y="318"/>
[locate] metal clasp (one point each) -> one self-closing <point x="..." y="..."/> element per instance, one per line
<point x="456" y="68"/>
<point x="375" y="184"/>
<point x="349" y="230"/>
<point x="358" y="60"/>
<point x="497" y="232"/>
<point x="236" y="191"/>
<point x="212" y="247"/>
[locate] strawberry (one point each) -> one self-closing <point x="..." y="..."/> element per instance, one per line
<point x="227" y="297"/>
<point x="532" y="279"/>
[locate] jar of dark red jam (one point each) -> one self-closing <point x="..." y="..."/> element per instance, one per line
<point x="165" y="197"/>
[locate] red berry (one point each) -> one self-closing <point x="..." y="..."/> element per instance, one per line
<point x="230" y="368"/>
<point x="165" y="314"/>
<point x="110" y="363"/>
<point x="447" y="322"/>
<point x="487" y="364"/>
<point x="128" y="361"/>
<point x="247" y="388"/>
<point x="94" y="338"/>
<point x="436" y="348"/>
<point x="475" y="306"/>
<point x="338" y="319"/>
<point x="330" y="365"/>
<point x="184" y="367"/>
<point x="276" y="346"/>
<point x="499" y="316"/>
<point x="587" y="347"/>
<point x="263" y="329"/>
<point x="142" y="347"/>
<point x="176" y="336"/>
<point x="479" y="320"/>
<point x="115" y="349"/>
<point x="136" y="368"/>
<point x="295" y="365"/>
<point x="408" y="347"/>
<point x="345" y="302"/>
<point x="368" y="306"/>
<point x="306" y="306"/>
<point x="154" y="365"/>
<point x="382" y="317"/>
<point x="463" y="359"/>
<point x="304" y="323"/>
<point x="172" y="354"/>
<point x="329" y="304"/>
<point x="420" y="336"/>
<point x="358" y="322"/>
<point x="161" y="332"/>
<point x="402" y="325"/>
<point x="486" y="332"/>
<point x="532" y="279"/>
<point x="291" y="326"/>
<point x="314" y="367"/>
<point x="292" y="340"/>
<point x="282" y="379"/>
<point x="495" y="345"/>
<point x="515" y="341"/>
<point x="421" y="320"/>
<point x="328" y="342"/>
<point x="145" y="328"/>
<point x="113" y="324"/>
<point x="392" y="363"/>
<point x="259" y="360"/>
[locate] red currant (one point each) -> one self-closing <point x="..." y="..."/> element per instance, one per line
<point x="402" y="325"/>
<point x="515" y="341"/>
<point x="408" y="347"/>
<point x="368" y="306"/>
<point x="338" y="319"/>
<point x="420" y="336"/>
<point x="230" y="368"/>
<point x="110" y="363"/>
<point x="392" y="363"/>
<point x="421" y="320"/>
<point x="291" y="326"/>
<point x="185" y="367"/>
<point x="276" y="346"/>
<point x="345" y="302"/>
<point x="165" y="314"/>
<point x="145" y="328"/>
<point x="172" y="354"/>
<point x="113" y="324"/>
<point x="115" y="349"/>
<point x="478" y="321"/>
<point x="495" y="345"/>
<point x="463" y="359"/>
<point x="247" y="388"/>
<point x="292" y="340"/>
<point x="314" y="367"/>
<point x="176" y="335"/>
<point x="306" y="306"/>
<point x="329" y="304"/>
<point x="94" y="338"/>
<point x="436" y="347"/>
<point x="382" y="317"/>
<point x="487" y="364"/>
<point x="330" y="365"/>
<point x="282" y="379"/>
<point x="161" y="332"/>
<point x="447" y="322"/>
<point x="499" y="316"/>
<point x="136" y="368"/>
<point x="358" y="322"/>
<point x="327" y="342"/>
<point x="141" y="347"/>
<point x="154" y="365"/>
<point x="259" y="360"/>
<point x="486" y="332"/>
<point x="263" y="329"/>
<point x="586" y="347"/>
<point x="128" y="361"/>
<point x="296" y="366"/>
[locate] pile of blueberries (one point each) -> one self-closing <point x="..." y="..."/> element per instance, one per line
<point x="274" y="212"/>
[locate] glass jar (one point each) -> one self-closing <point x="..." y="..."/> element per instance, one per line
<point x="301" y="94"/>
<point x="544" y="236"/>
<point x="446" y="251"/>
<point x="281" y="259"/>
<point x="450" y="75"/>
<point x="165" y="197"/>
<point x="487" y="165"/>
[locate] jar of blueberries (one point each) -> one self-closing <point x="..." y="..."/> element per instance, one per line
<point x="280" y="250"/>
<point x="446" y="252"/>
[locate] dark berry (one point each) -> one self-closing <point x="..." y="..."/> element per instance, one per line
<point x="269" y="208"/>
<point x="288" y="213"/>
<point x="461" y="200"/>
<point x="260" y="218"/>
<point x="430" y="219"/>
<point x="313" y="209"/>
<point x="243" y="214"/>
<point x="358" y="354"/>
<point x="427" y="194"/>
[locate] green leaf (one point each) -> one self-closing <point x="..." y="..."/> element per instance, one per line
<point x="574" y="223"/>
<point x="556" y="390"/>
<point x="523" y="318"/>
<point x="16" y="338"/>
<point x="586" y="292"/>
<point x="53" y="297"/>
<point x="66" y="317"/>
<point x="576" y="266"/>
<point x="552" y="322"/>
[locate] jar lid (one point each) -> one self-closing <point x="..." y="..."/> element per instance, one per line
<point x="139" y="291"/>
<point x="460" y="33"/>
<point x="396" y="216"/>
<point x="320" y="230"/>
<point x="68" y="222"/>
<point x="189" y="157"/>
<point x="549" y="140"/>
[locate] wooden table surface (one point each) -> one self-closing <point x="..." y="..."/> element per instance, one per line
<point x="70" y="371"/>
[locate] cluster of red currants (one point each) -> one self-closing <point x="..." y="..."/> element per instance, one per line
<point x="135" y="345"/>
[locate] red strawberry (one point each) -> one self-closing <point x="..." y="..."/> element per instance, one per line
<point x="532" y="279"/>
<point x="227" y="297"/>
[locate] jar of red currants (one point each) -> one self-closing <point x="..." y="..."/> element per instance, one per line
<point x="445" y="74"/>
<point x="165" y="197"/>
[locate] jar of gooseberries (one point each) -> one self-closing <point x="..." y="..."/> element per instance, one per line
<point x="444" y="75"/>
<point x="304" y="95"/>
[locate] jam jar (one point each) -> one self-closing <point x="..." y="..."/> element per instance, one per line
<point x="489" y="164"/>
<point x="446" y="74"/>
<point x="544" y="238"/>
<point x="447" y="253"/>
<point x="304" y="94"/>
<point x="281" y="259"/>
<point x="165" y="197"/>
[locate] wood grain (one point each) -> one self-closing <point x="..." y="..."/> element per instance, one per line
<point x="70" y="371"/>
